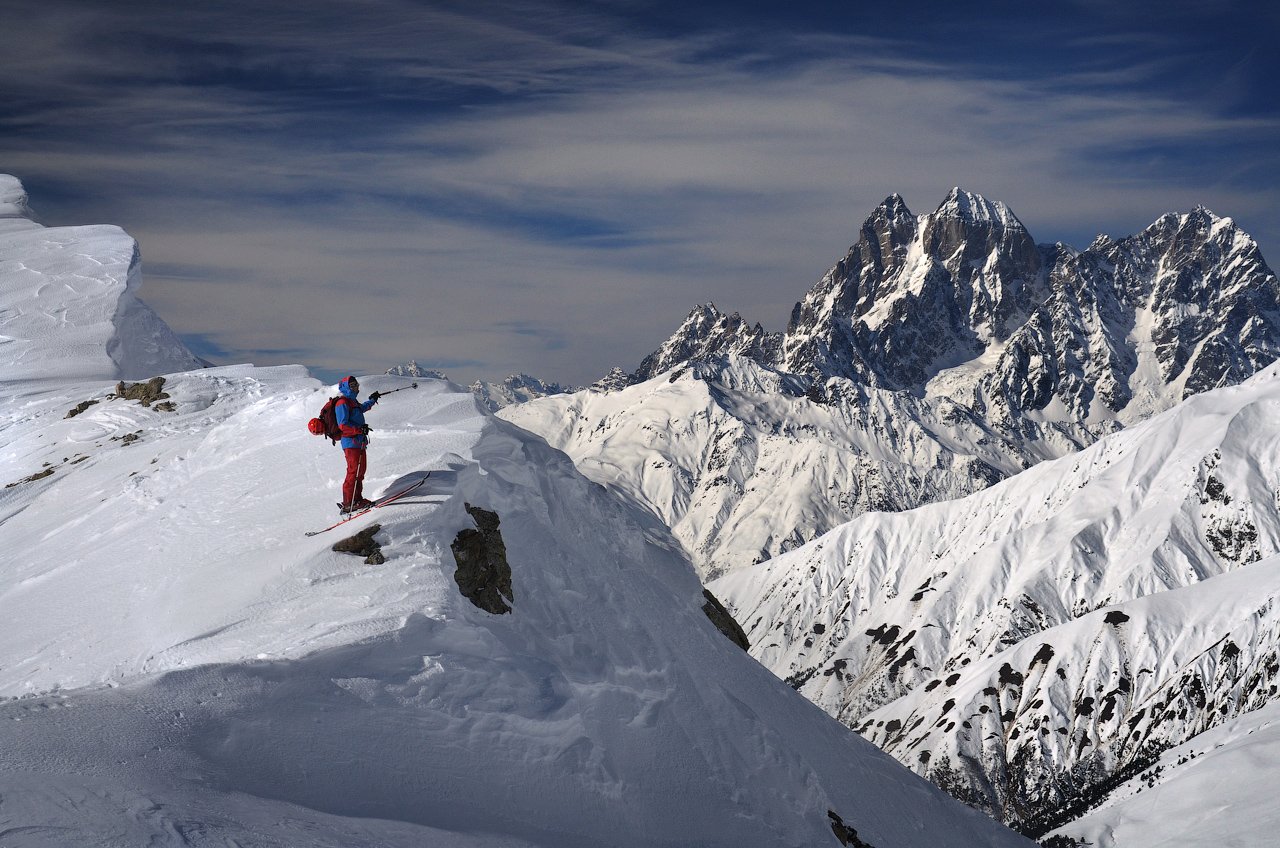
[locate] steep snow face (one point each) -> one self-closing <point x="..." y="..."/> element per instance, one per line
<point x="1056" y="719"/>
<point x="70" y="307"/>
<point x="962" y="631"/>
<point x="743" y="463"/>
<point x="182" y="664"/>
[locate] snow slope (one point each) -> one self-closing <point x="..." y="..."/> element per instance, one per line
<point x="743" y="463"/>
<point x="1165" y="806"/>
<point x="182" y="666"/>
<point x="989" y="610"/>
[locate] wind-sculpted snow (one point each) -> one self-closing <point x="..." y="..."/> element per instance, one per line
<point x="1022" y="646"/>
<point x="15" y="214"/>
<point x="69" y="305"/>
<point x="181" y="665"/>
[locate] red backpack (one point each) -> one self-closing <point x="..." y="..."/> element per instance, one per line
<point x="327" y="423"/>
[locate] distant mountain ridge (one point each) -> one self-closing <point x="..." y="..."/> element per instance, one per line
<point x="516" y="388"/>
<point x="942" y="353"/>
<point x="963" y="303"/>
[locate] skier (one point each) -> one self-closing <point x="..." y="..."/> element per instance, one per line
<point x="349" y="412"/>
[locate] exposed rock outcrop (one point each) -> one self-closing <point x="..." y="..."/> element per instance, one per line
<point x="144" y="393"/>
<point x="363" y="544"/>
<point x="724" y="621"/>
<point x="483" y="574"/>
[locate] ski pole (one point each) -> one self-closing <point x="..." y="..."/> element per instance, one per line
<point x="401" y="389"/>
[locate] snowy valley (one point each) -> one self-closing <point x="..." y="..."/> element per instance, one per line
<point x="180" y="665"/>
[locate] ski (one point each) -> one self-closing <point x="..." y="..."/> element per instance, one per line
<point x="380" y="502"/>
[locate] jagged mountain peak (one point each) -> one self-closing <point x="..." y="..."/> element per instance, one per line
<point x="975" y="209"/>
<point x="616" y="379"/>
<point x="892" y="208"/>
<point x="708" y="332"/>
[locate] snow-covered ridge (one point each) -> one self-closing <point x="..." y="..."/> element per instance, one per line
<point x="963" y="636"/>
<point x="179" y="663"/>
<point x="71" y="308"/>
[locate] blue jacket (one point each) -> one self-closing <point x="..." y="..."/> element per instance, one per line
<point x="349" y="413"/>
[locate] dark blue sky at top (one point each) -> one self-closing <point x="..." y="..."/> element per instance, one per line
<point x="550" y="187"/>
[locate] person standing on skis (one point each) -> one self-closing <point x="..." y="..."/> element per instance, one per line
<point x="349" y="413"/>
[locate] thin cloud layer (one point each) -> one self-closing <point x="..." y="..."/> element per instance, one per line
<point x="545" y="189"/>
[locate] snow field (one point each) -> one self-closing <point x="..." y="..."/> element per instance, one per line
<point x="1199" y="793"/>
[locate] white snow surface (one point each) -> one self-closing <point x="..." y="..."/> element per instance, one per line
<point x="1165" y="806"/>
<point x="182" y="666"/>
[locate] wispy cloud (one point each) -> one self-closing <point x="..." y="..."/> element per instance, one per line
<point x="546" y="189"/>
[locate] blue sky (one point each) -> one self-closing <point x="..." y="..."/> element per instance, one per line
<point x="550" y="187"/>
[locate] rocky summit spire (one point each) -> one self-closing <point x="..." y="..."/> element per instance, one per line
<point x="975" y="209"/>
<point x="708" y="332"/>
<point x="915" y="295"/>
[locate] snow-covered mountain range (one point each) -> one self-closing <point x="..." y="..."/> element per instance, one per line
<point x="1055" y="642"/>
<point x="1033" y="644"/>
<point x="181" y="665"/>
<point x="944" y="352"/>
<point x="516" y="388"/>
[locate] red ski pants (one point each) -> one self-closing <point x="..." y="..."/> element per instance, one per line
<point x="353" y="485"/>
